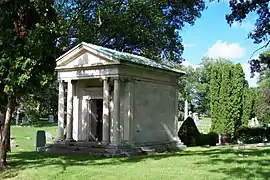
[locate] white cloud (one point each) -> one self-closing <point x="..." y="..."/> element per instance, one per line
<point x="225" y="50"/>
<point x="251" y="81"/>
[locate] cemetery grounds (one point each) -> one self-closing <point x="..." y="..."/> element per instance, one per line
<point x="193" y="163"/>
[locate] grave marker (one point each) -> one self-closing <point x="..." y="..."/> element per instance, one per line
<point x="40" y="139"/>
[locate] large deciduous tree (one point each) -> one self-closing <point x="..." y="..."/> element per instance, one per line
<point x="149" y="28"/>
<point x="27" y="53"/>
<point x="29" y="29"/>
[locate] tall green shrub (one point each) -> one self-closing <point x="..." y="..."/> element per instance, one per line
<point x="226" y="125"/>
<point x="227" y="90"/>
<point x="236" y="98"/>
<point x="214" y="96"/>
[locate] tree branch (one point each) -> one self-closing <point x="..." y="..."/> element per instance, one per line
<point x="264" y="46"/>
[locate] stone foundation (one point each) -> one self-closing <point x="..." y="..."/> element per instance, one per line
<point x="109" y="150"/>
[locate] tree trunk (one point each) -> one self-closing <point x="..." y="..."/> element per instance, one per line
<point x="17" y="116"/>
<point x="5" y="143"/>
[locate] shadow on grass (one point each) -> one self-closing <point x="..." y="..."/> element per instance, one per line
<point x="225" y="156"/>
<point x="244" y="164"/>
<point x="39" y="125"/>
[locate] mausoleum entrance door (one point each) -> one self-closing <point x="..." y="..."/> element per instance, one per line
<point x="95" y="119"/>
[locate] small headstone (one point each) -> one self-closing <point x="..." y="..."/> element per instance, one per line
<point x="196" y="118"/>
<point x="25" y="121"/>
<point x="13" y="143"/>
<point x="253" y="122"/>
<point x="51" y="119"/>
<point x="40" y="139"/>
<point x="190" y="114"/>
<point x="48" y="137"/>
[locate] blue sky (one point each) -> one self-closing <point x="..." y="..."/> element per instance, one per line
<point x="211" y="36"/>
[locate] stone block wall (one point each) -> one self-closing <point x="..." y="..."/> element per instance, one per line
<point x="154" y="112"/>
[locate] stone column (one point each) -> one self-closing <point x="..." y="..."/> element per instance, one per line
<point x="116" y="112"/>
<point x="61" y="112"/>
<point x="186" y="110"/>
<point x="70" y="91"/>
<point x="177" y="124"/>
<point x="128" y="111"/>
<point x="105" y="115"/>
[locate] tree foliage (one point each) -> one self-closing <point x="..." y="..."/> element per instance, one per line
<point x="226" y="97"/>
<point x="27" y="53"/>
<point x="215" y="85"/>
<point x="261" y="64"/>
<point x="32" y="33"/>
<point x="263" y="103"/>
<point x="249" y="100"/>
<point x="149" y="28"/>
<point x="236" y="98"/>
<point x="197" y="84"/>
<point x="226" y="125"/>
<point x="240" y="10"/>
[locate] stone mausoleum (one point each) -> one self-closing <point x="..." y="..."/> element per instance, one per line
<point x="115" y="103"/>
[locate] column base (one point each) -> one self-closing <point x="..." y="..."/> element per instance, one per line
<point x="105" y="142"/>
<point x="69" y="140"/>
<point x="60" y="139"/>
<point x="178" y="144"/>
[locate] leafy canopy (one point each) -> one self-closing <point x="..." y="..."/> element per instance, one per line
<point x="26" y="41"/>
<point x="149" y="28"/>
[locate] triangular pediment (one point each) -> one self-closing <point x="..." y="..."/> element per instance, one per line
<point x="83" y="56"/>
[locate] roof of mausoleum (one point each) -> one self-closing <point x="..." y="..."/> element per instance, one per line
<point x="123" y="57"/>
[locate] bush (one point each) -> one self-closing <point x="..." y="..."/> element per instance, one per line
<point x="189" y="133"/>
<point x="251" y="135"/>
<point x="267" y="134"/>
<point x="210" y="139"/>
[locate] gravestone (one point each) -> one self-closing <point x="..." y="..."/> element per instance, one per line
<point x="253" y="122"/>
<point x="195" y="116"/>
<point x="25" y="121"/>
<point x="51" y="119"/>
<point x="190" y="114"/>
<point x="48" y="137"/>
<point x="186" y="110"/>
<point x="13" y="143"/>
<point x="40" y="139"/>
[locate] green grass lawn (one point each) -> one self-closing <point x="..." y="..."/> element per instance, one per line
<point x="193" y="163"/>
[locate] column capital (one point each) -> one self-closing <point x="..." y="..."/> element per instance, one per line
<point x="73" y="81"/>
<point x="123" y="78"/>
<point x="60" y="81"/>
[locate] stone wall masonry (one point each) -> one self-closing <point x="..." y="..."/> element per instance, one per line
<point x="154" y="112"/>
